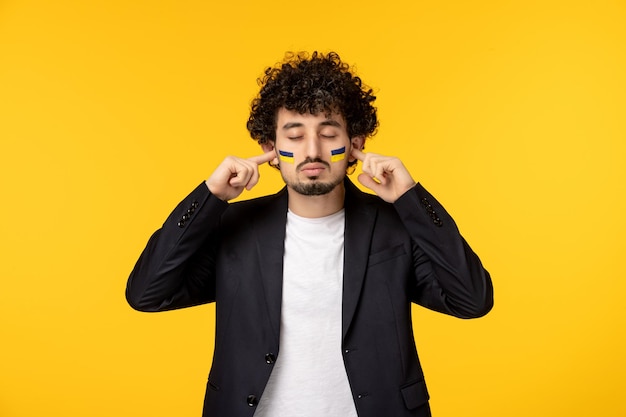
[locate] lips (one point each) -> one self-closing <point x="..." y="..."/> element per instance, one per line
<point x="312" y="170"/>
<point x="312" y="167"/>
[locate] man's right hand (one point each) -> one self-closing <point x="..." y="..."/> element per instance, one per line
<point x="234" y="174"/>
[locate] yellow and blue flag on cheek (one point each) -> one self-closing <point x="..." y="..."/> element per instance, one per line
<point x="337" y="154"/>
<point x="286" y="156"/>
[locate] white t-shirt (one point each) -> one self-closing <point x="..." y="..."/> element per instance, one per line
<point x="309" y="377"/>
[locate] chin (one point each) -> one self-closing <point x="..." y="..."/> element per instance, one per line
<point x="314" y="188"/>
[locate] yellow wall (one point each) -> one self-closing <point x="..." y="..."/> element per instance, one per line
<point x="511" y="113"/>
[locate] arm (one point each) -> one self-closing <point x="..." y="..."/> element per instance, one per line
<point x="449" y="276"/>
<point x="177" y="267"/>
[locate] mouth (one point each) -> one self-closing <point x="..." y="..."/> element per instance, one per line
<point x="313" y="168"/>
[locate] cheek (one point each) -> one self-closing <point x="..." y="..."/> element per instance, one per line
<point x="285" y="156"/>
<point x="338" y="154"/>
<point x="286" y="152"/>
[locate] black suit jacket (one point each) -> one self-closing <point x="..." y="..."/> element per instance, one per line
<point x="395" y="254"/>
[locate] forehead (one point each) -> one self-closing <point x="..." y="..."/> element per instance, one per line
<point x="286" y="119"/>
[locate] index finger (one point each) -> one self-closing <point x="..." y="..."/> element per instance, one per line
<point x="261" y="159"/>
<point x="358" y="154"/>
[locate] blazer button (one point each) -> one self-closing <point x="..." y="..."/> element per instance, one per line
<point x="181" y="223"/>
<point x="270" y="358"/>
<point x="252" y="400"/>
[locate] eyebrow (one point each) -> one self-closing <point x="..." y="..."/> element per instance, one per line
<point x="330" y="122"/>
<point x="327" y="122"/>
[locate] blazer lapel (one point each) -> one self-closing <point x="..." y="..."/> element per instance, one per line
<point x="360" y="218"/>
<point x="269" y="227"/>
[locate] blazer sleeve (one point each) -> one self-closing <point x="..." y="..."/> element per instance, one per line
<point x="449" y="276"/>
<point x="177" y="267"/>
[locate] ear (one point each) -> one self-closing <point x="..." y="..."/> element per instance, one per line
<point x="269" y="146"/>
<point x="357" y="142"/>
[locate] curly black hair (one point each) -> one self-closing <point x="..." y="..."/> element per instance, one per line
<point x="315" y="84"/>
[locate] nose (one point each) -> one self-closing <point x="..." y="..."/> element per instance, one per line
<point x="313" y="147"/>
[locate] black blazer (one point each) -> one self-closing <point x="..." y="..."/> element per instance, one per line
<point x="395" y="254"/>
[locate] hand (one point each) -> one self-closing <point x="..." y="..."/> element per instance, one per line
<point x="234" y="174"/>
<point x="385" y="175"/>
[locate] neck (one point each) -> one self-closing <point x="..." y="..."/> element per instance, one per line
<point x="317" y="205"/>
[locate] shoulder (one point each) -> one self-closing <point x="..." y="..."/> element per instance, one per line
<point x="256" y="207"/>
<point x="367" y="208"/>
<point x="263" y="201"/>
<point x="356" y="198"/>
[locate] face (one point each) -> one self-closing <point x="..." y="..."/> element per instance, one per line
<point x="313" y="150"/>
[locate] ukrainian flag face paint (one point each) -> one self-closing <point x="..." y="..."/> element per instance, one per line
<point x="285" y="156"/>
<point x="338" y="154"/>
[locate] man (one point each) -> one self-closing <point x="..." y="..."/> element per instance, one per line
<point x="313" y="285"/>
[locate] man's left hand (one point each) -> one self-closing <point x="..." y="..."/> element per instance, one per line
<point x="385" y="175"/>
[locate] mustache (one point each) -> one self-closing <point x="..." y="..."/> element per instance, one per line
<point x="310" y="160"/>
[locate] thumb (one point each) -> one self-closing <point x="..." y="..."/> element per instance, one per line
<point x="369" y="182"/>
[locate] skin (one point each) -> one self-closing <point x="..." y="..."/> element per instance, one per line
<point x="311" y="138"/>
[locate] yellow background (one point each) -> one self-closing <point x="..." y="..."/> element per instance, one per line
<point x="511" y="112"/>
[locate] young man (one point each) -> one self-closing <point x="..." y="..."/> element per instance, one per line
<point x="313" y="285"/>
